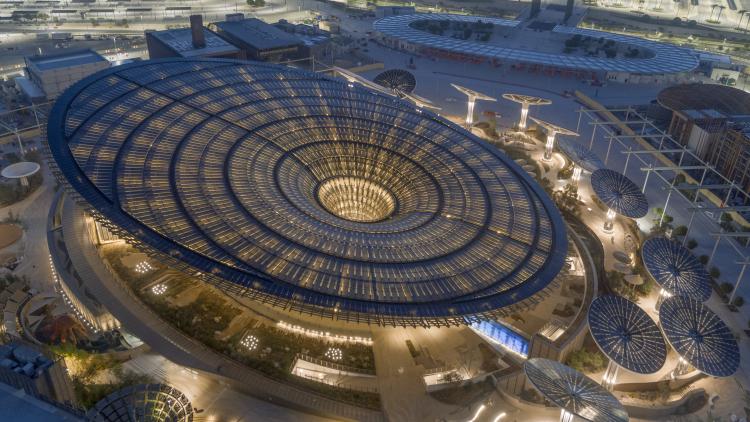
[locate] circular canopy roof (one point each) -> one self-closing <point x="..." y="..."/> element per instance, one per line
<point x="699" y="336"/>
<point x="619" y="193"/>
<point x="551" y="127"/>
<point x="143" y="402"/>
<point x="666" y="58"/>
<point x="573" y="391"/>
<point x="676" y="269"/>
<point x="398" y="80"/>
<point x="20" y="169"/>
<point x="581" y="156"/>
<point x="307" y="192"/>
<point x="724" y="99"/>
<point x="527" y="99"/>
<point x="626" y="334"/>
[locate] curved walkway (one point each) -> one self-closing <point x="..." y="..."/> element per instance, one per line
<point x="180" y="348"/>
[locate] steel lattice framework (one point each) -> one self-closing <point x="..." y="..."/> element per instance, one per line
<point x="580" y="155"/>
<point x="699" y="336"/>
<point x="676" y="269"/>
<point x="143" y="403"/>
<point x="619" y="193"/>
<point x="573" y="391"/>
<point x="305" y="192"/>
<point x="398" y="80"/>
<point x="626" y="334"/>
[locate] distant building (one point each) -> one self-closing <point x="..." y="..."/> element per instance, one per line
<point x="714" y="121"/>
<point x="196" y="41"/>
<point x="259" y="40"/>
<point x="383" y="11"/>
<point x="26" y="368"/>
<point x="54" y="73"/>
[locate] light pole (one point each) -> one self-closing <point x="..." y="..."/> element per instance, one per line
<point x="473" y="96"/>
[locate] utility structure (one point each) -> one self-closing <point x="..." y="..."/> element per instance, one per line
<point x="582" y="158"/>
<point x="473" y="97"/>
<point x="552" y="131"/>
<point x="526" y="101"/>
<point x="700" y="337"/>
<point x="627" y="336"/>
<point x="675" y="269"/>
<point x="573" y="392"/>
<point x="619" y="194"/>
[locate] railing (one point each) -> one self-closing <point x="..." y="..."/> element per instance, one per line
<point x="331" y="365"/>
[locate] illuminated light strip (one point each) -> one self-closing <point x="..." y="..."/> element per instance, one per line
<point x="59" y="290"/>
<point x="327" y="335"/>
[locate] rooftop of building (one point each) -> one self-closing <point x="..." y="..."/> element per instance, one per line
<point x="409" y="218"/>
<point x="257" y="33"/>
<point x="65" y="59"/>
<point x="180" y="41"/>
<point x="23" y="360"/>
<point x="720" y="98"/>
<point x="516" y="44"/>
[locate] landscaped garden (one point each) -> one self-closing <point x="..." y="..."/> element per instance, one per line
<point x="256" y="344"/>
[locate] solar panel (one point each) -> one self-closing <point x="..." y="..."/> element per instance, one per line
<point x="312" y="191"/>
<point x="699" y="336"/>
<point x="676" y="269"/>
<point x="626" y="334"/>
<point x="398" y="80"/>
<point x="619" y="193"/>
<point x="580" y="155"/>
<point x="573" y="391"/>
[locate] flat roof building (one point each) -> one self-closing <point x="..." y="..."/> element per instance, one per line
<point x="259" y="40"/>
<point x="714" y="121"/>
<point x="196" y="41"/>
<point x="54" y="73"/>
<point x="23" y="367"/>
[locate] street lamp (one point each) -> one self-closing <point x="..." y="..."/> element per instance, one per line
<point x="473" y="97"/>
<point x="552" y="131"/>
<point x="526" y="101"/>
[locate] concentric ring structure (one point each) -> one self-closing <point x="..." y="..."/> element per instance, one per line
<point x="676" y="269"/>
<point x="698" y="335"/>
<point x="580" y="155"/>
<point x="573" y="391"/>
<point x="666" y="58"/>
<point x="398" y="80"/>
<point x="143" y="403"/>
<point x="626" y="334"/>
<point x="307" y="193"/>
<point x="619" y="193"/>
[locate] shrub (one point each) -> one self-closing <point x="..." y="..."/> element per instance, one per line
<point x="726" y="288"/>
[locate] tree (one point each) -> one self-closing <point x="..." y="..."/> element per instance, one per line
<point x="703" y="259"/>
<point x="714" y="272"/>
<point x="680" y="231"/>
<point x="692" y="244"/>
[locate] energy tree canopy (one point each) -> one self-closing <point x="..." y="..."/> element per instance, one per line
<point x="676" y="269"/>
<point x="699" y="336"/>
<point x="619" y="193"/>
<point x="580" y="155"/>
<point x="626" y="334"/>
<point x="573" y="391"/>
<point x="398" y="80"/>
